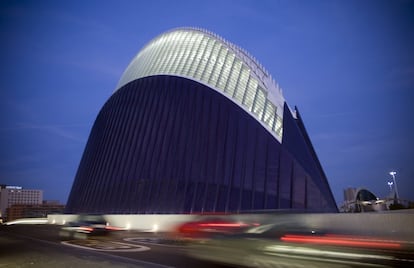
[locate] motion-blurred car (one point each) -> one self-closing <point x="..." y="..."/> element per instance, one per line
<point x="209" y="226"/>
<point x="296" y="245"/>
<point x="84" y="226"/>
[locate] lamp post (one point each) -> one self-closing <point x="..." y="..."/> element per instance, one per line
<point x="392" y="173"/>
<point x="390" y="183"/>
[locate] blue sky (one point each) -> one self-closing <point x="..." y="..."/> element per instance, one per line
<point x="347" y="65"/>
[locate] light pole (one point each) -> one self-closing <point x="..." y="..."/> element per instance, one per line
<point x="390" y="183"/>
<point x="392" y="173"/>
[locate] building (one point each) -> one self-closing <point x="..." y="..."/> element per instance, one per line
<point x="197" y="125"/>
<point x="16" y="195"/>
<point x="362" y="200"/>
<point x="19" y="211"/>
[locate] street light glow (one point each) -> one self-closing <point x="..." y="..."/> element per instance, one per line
<point x="390" y="183"/>
<point x="392" y="173"/>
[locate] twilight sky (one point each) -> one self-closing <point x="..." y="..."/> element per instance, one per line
<point x="347" y="65"/>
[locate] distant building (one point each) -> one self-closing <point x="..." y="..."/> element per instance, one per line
<point x="16" y="195"/>
<point x="362" y="200"/>
<point x="19" y="211"/>
<point x="349" y="194"/>
<point x="197" y="125"/>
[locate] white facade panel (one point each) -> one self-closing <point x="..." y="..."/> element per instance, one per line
<point x="209" y="59"/>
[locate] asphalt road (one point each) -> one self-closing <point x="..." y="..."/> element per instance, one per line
<point x="41" y="246"/>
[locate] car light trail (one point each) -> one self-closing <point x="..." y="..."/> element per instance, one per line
<point x="287" y="251"/>
<point x="86" y="229"/>
<point x="341" y="241"/>
<point x="223" y="224"/>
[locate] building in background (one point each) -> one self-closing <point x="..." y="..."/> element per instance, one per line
<point x="16" y="195"/>
<point x="362" y="200"/>
<point x="197" y="125"/>
<point x="19" y="211"/>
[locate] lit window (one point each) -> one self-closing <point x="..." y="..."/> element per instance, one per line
<point x="228" y="63"/>
<point x="250" y="93"/>
<point x="242" y="84"/>
<point x="259" y="102"/>
<point x="269" y="114"/>
<point x="235" y="72"/>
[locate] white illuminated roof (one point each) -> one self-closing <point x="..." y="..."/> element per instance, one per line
<point x="204" y="57"/>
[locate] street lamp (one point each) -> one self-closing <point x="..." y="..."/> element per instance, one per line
<point x="392" y="173"/>
<point x="390" y="183"/>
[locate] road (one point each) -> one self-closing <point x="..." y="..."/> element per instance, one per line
<point x="41" y="246"/>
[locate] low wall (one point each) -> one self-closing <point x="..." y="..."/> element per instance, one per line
<point x="140" y="222"/>
<point x="396" y="224"/>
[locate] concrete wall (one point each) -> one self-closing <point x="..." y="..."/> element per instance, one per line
<point x="397" y="224"/>
<point x="141" y="222"/>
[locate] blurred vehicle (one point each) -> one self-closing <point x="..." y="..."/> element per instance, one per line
<point x="210" y="226"/>
<point x="84" y="226"/>
<point x="292" y="244"/>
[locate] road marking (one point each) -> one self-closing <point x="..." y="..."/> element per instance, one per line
<point x="155" y="241"/>
<point x="107" y="246"/>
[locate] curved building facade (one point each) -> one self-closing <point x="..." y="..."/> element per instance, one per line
<point x="197" y="125"/>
